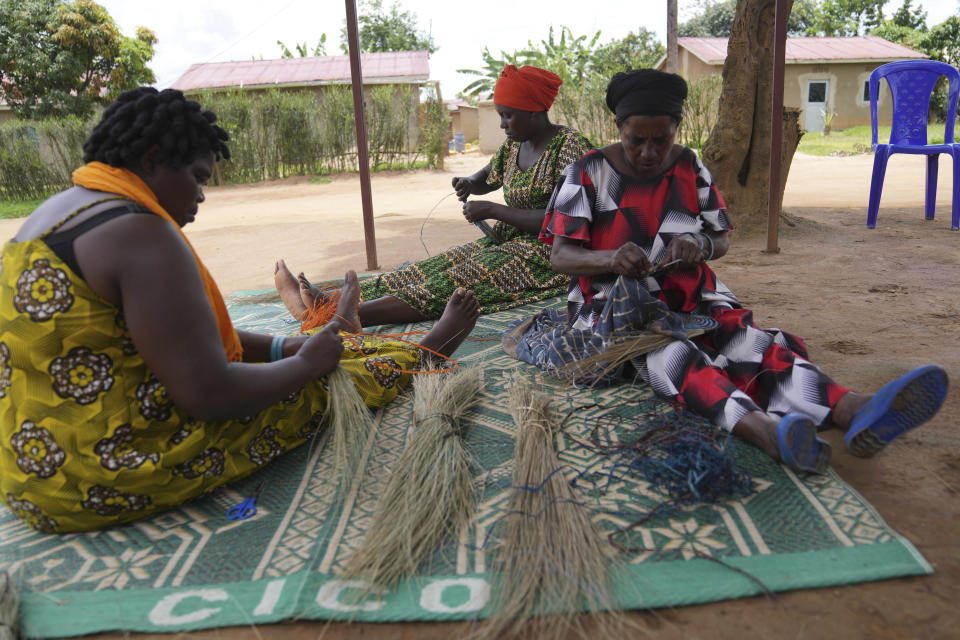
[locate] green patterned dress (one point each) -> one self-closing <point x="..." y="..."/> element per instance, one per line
<point x="505" y="275"/>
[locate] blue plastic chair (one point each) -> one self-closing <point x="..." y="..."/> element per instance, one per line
<point x="911" y="83"/>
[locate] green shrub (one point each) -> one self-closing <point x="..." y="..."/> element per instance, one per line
<point x="700" y="110"/>
<point x="337" y="137"/>
<point x="434" y="128"/>
<point x="582" y="106"/>
<point x="276" y="134"/>
<point x="37" y="158"/>
<point x="273" y="134"/>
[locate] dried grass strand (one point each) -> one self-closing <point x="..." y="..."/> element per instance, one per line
<point x="430" y="494"/>
<point x="619" y="351"/>
<point x="552" y="563"/>
<point x="350" y="425"/>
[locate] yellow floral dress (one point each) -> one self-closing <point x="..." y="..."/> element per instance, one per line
<point x="88" y="435"/>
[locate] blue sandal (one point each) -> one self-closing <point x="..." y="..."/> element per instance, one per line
<point x="898" y="407"/>
<point x="800" y="448"/>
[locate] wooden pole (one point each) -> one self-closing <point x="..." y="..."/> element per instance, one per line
<point x="363" y="158"/>
<point x="672" y="36"/>
<point x="776" y="127"/>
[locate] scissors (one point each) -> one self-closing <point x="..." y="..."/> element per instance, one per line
<point x="661" y="270"/>
<point x="245" y="509"/>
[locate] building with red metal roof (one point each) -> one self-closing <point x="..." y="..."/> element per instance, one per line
<point x="822" y="76"/>
<point x="390" y="67"/>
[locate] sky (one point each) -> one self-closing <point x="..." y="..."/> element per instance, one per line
<point x="194" y="31"/>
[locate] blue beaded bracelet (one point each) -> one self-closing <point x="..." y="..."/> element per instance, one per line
<point x="276" y="348"/>
<point x="710" y="240"/>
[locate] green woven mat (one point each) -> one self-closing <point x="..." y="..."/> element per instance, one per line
<point x="192" y="568"/>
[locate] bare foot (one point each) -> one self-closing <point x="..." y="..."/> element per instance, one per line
<point x="456" y="323"/>
<point x="289" y="289"/>
<point x="347" y="316"/>
<point x="309" y="294"/>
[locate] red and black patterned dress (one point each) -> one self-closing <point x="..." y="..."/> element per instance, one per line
<point x="723" y="374"/>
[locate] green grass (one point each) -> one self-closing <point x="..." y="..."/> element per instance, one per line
<point x="854" y="140"/>
<point x="400" y="166"/>
<point x="18" y="209"/>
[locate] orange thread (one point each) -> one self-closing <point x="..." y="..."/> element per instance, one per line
<point x="397" y="337"/>
<point x="323" y="311"/>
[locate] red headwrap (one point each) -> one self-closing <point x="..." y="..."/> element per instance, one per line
<point x="527" y="88"/>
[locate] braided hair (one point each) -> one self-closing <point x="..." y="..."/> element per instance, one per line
<point x="142" y="118"/>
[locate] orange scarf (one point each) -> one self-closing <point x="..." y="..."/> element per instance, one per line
<point x="102" y="177"/>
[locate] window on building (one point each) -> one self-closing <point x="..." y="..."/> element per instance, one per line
<point x="866" y="91"/>
<point x="817" y="92"/>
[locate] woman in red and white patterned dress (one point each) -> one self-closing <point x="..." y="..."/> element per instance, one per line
<point x="646" y="201"/>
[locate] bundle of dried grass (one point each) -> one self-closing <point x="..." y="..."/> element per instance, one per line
<point x="619" y="351"/>
<point x="430" y="494"/>
<point x="350" y="423"/>
<point x="551" y="562"/>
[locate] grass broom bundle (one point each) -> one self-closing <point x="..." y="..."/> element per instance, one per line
<point x="431" y="493"/>
<point x="551" y="562"/>
<point x="618" y="351"/>
<point x="350" y="425"/>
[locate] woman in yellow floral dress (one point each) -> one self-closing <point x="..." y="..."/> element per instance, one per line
<point x="124" y="388"/>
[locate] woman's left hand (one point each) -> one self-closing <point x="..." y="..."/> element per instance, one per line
<point x="477" y="210"/>
<point x="684" y="248"/>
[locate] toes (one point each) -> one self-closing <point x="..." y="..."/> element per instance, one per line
<point x="472" y="303"/>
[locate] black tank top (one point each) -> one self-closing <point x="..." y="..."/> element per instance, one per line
<point x="61" y="242"/>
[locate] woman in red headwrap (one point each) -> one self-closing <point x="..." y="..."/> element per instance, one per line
<point x="505" y="271"/>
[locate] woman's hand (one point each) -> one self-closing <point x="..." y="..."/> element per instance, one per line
<point x="481" y="210"/>
<point x="322" y="351"/>
<point x="630" y="260"/>
<point x="685" y="248"/>
<point x="464" y="186"/>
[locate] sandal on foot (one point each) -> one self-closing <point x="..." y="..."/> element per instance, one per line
<point x="899" y="406"/>
<point x="800" y="448"/>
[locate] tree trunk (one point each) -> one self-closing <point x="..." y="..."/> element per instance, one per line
<point x="738" y="149"/>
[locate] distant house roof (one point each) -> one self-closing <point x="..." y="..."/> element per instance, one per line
<point x="807" y="50"/>
<point x="391" y="67"/>
<point x="455" y="103"/>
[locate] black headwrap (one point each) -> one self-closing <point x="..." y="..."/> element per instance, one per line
<point x="646" y="92"/>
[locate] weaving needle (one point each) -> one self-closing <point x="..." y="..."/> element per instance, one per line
<point x="662" y="269"/>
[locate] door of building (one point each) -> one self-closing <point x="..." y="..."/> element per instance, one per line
<point x="815" y="104"/>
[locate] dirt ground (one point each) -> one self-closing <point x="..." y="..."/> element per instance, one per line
<point x="870" y="303"/>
